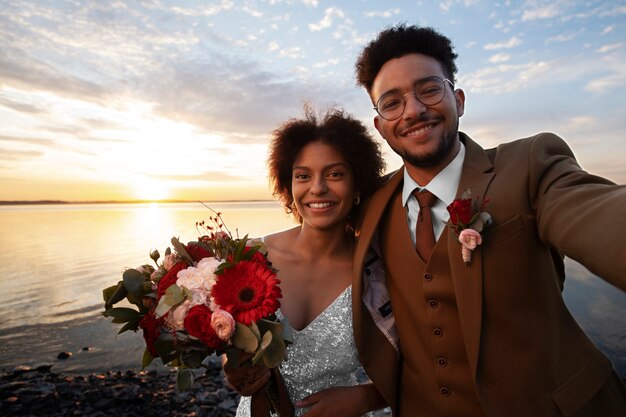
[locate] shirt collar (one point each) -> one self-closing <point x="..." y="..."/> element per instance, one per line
<point x="444" y="185"/>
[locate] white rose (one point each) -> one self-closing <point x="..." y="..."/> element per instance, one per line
<point x="176" y="317"/>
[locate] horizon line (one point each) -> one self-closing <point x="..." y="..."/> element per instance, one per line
<point x="139" y="201"/>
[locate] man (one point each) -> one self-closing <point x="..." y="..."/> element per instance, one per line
<point x="443" y="335"/>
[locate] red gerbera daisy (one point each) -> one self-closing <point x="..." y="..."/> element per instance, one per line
<point x="249" y="291"/>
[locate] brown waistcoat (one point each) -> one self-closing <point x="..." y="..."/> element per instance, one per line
<point x="436" y="379"/>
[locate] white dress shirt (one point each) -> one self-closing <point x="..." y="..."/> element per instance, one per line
<point x="444" y="186"/>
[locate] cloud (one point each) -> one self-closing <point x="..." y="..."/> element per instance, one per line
<point x="542" y="12"/>
<point x="607" y="29"/>
<point x="564" y="37"/>
<point x="329" y="15"/>
<point x="19" y="154"/>
<point x="21" y="107"/>
<point x="511" y="43"/>
<point x="382" y="13"/>
<point x="610" y="47"/>
<point x="498" y="58"/>
<point x="294" y="52"/>
<point x="26" y="140"/>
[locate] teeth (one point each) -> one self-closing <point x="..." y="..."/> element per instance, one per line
<point x="419" y="131"/>
<point x="320" y="205"/>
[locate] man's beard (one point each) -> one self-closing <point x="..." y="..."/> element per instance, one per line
<point x="433" y="158"/>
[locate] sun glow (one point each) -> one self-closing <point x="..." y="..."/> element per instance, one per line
<point x="145" y="189"/>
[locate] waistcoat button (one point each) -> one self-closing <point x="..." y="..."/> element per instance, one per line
<point x="433" y="303"/>
<point x="437" y="332"/>
<point x="427" y="276"/>
<point x="443" y="362"/>
<point x="445" y="391"/>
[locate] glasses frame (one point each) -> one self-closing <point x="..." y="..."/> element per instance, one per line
<point x="414" y="92"/>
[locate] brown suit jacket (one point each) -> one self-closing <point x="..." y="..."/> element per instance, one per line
<point x="526" y="353"/>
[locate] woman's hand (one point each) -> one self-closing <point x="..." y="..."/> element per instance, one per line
<point x="343" y="401"/>
<point x="246" y="380"/>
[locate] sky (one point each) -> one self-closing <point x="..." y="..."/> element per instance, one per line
<point x="155" y="99"/>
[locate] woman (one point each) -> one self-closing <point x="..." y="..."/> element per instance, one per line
<point x="320" y="171"/>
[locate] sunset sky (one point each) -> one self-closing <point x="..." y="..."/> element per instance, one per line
<point x="150" y="99"/>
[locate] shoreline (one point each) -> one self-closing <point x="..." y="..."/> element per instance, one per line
<point x="27" y="391"/>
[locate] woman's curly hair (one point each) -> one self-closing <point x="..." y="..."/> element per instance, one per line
<point x="335" y="128"/>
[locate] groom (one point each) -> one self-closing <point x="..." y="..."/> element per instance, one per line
<point x="490" y="336"/>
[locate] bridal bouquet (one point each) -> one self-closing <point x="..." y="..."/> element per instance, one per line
<point x="217" y="295"/>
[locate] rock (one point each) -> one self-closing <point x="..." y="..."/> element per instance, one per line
<point x="64" y="355"/>
<point x="130" y="393"/>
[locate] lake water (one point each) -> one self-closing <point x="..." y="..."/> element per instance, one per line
<point x="56" y="259"/>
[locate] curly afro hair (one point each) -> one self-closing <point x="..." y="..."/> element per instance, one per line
<point x="400" y="40"/>
<point x="335" y="128"/>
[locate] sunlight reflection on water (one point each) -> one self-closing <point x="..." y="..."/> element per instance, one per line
<point x="56" y="259"/>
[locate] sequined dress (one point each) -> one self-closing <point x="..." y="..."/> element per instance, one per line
<point x="322" y="355"/>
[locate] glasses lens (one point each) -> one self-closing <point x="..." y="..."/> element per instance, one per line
<point x="429" y="91"/>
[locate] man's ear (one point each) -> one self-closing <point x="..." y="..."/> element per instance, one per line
<point x="459" y="98"/>
<point x="377" y="125"/>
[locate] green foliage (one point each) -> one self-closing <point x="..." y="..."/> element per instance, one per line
<point x="275" y="351"/>
<point x="194" y="358"/>
<point x="165" y="346"/>
<point x="133" y="281"/>
<point x="146" y="359"/>
<point x="121" y="314"/>
<point x="132" y="324"/>
<point x="182" y="252"/>
<point x="184" y="380"/>
<point x="173" y="296"/>
<point x="114" y="294"/>
<point x="245" y="339"/>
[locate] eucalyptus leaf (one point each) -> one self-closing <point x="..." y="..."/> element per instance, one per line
<point x="132" y="324"/>
<point x="121" y="314"/>
<point x="276" y="351"/>
<point x="133" y="281"/>
<point x="255" y="329"/>
<point x="118" y="293"/>
<point x="245" y="339"/>
<point x="193" y="359"/>
<point x="166" y="347"/>
<point x="173" y="296"/>
<point x="146" y="359"/>
<point x="266" y="340"/>
<point x="182" y="252"/>
<point x="184" y="380"/>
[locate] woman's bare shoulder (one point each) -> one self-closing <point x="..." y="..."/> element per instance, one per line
<point x="281" y="241"/>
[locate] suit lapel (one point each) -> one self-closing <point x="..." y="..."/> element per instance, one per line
<point x="468" y="280"/>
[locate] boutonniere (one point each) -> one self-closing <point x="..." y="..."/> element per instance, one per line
<point x="468" y="218"/>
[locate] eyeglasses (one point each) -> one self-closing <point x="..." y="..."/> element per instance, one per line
<point x="429" y="91"/>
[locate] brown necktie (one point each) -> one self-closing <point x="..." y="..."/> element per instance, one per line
<point x="424" y="235"/>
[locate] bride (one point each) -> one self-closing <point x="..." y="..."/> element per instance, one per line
<point x="320" y="171"/>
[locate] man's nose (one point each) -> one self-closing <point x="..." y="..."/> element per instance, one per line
<point x="412" y="106"/>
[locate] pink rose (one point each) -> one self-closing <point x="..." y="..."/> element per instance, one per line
<point x="170" y="260"/>
<point x="223" y="324"/>
<point x="469" y="239"/>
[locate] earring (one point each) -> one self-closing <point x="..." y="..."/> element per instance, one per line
<point x="357" y="200"/>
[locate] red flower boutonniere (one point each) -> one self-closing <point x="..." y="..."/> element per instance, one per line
<point x="468" y="218"/>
